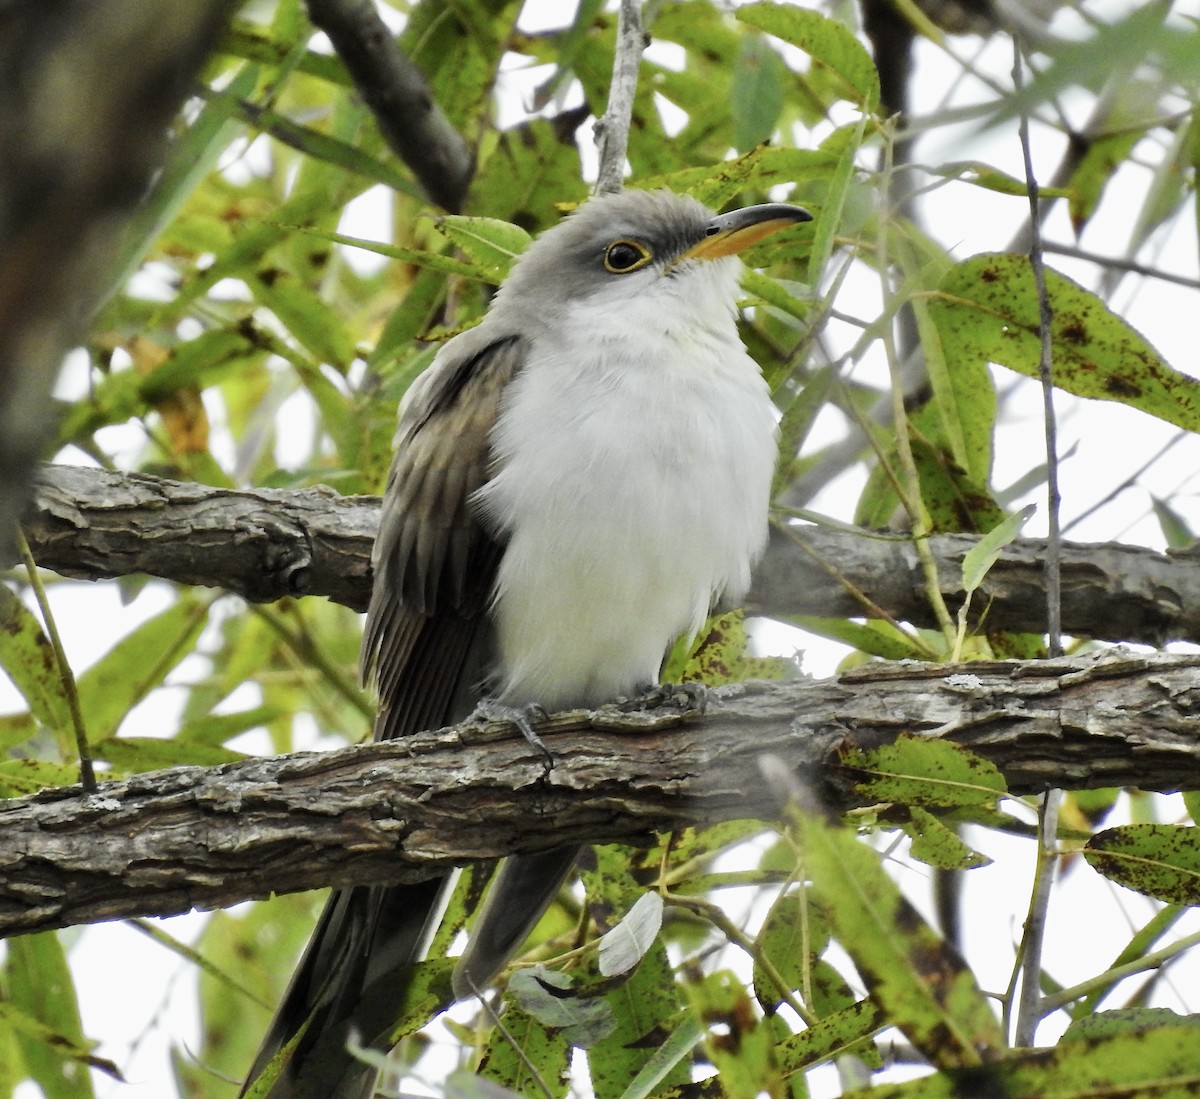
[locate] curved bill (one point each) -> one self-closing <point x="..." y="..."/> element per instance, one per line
<point x="727" y="234"/>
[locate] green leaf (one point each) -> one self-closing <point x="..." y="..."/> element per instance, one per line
<point x="827" y="42"/>
<point x="1104" y="155"/>
<point x="765" y="166"/>
<point x="40" y="989"/>
<point x="1161" y="1063"/>
<point x="138" y="754"/>
<point x="313" y="323"/>
<point x="1175" y="528"/>
<point x="677" y="1045"/>
<point x="989" y="178"/>
<point x="137" y="664"/>
<point x="491" y="244"/>
<point x="1131" y="1020"/>
<point x="1160" y="860"/>
<point x="987" y="311"/>
<point x="936" y="845"/>
<point x="28" y="658"/>
<point x="434" y="260"/>
<point x="646" y="1005"/>
<point x="314" y="144"/>
<point x="737" y="1041"/>
<point x="979" y="559"/>
<point x="757" y="92"/>
<point x="831" y="1037"/>
<point x="794" y="934"/>
<point x="914" y="975"/>
<point x="19" y="777"/>
<point x="722" y="655"/>
<point x="874" y="637"/>
<point x="934" y="774"/>
<point x="527" y="1056"/>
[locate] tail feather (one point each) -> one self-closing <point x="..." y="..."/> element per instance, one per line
<point x="351" y="983"/>
<point x="521" y="890"/>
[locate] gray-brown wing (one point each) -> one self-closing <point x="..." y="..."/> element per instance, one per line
<point x="425" y="640"/>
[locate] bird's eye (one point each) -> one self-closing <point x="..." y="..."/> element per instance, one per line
<point x="625" y="255"/>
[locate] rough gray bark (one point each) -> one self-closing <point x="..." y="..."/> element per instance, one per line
<point x="266" y="544"/>
<point x="191" y="837"/>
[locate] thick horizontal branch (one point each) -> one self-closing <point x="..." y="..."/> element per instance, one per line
<point x="266" y="544"/>
<point x="191" y="837"/>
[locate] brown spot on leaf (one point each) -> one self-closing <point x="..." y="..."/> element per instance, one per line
<point x="1074" y="331"/>
<point x="1120" y="386"/>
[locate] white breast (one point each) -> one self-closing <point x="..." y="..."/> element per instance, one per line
<point x="633" y="479"/>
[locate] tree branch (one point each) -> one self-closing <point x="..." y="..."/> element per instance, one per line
<point x="612" y="130"/>
<point x="266" y="544"/>
<point x="396" y="91"/>
<point x="193" y="837"/>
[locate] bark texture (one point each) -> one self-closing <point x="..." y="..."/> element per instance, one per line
<point x="267" y="544"/>
<point x="165" y="842"/>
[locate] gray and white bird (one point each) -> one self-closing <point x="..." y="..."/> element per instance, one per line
<point x="577" y="480"/>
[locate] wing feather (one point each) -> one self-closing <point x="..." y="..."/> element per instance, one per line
<point x="424" y="642"/>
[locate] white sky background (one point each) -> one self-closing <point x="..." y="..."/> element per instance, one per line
<point x="138" y="999"/>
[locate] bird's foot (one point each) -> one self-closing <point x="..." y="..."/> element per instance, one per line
<point x="684" y="696"/>
<point x="523" y="717"/>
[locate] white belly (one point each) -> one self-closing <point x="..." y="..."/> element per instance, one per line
<point x="631" y="499"/>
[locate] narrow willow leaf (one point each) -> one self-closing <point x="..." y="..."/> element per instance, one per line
<point x="28" y="659"/>
<point x="757" y="86"/>
<point x="831" y="1036"/>
<point x="38" y="984"/>
<point x="979" y="559"/>
<point x="678" y="1045"/>
<point x="1160" y="860"/>
<point x="934" y="774"/>
<point x="826" y="41"/>
<point x="988" y="311"/>
<point x="918" y="979"/>
<point x="526" y="1057"/>
<point x="1160" y="1063"/>
<point x="490" y="243"/>
<point x="936" y="845"/>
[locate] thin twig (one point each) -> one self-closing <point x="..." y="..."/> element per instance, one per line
<point x="612" y="131"/>
<point x="1114" y="264"/>
<point x="1046" y="376"/>
<point x="909" y="486"/>
<point x="1032" y="941"/>
<point x="87" y="774"/>
<point x="1110" y="977"/>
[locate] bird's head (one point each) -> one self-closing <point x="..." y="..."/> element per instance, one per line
<point x="641" y="250"/>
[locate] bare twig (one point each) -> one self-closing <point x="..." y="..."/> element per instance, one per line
<point x="1033" y="937"/>
<point x="1046" y="376"/>
<point x="394" y="88"/>
<point x="612" y="131"/>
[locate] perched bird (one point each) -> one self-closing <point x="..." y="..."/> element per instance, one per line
<point x="576" y="481"/>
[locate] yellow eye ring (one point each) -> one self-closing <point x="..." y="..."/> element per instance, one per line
<point x="623" y="256"/>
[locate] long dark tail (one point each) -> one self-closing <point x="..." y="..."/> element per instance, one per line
<point x="351" y="983"/>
